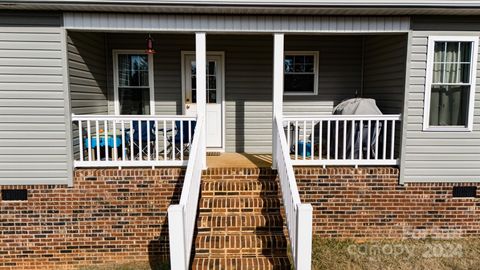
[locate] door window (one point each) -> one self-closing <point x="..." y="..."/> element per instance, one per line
<point x="212" y="88"/>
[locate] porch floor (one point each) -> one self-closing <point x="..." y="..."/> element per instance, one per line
<point x="239" y="160"/>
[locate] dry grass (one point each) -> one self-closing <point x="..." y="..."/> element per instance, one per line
<point x="401" y="255"/>
<point x="128" y="266"/>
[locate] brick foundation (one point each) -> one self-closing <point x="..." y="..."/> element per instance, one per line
<point x="109" y="216"/>
<point x="369" y="203"/>
<point x="115" y="216"/>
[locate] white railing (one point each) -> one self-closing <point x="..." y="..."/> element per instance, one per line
<point x="182" y="216"/>
<point x="137" y="140"/>
<point x="299" y="216"/>
<point x="343" y="139"/>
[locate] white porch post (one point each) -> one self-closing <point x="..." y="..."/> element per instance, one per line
<point x="201" y="63"/>
<point x="277" y="107"/>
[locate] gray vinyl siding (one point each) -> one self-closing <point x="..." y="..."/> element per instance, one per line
<point x="339" y="75"/>
<point x="166" y="64"/>
<point x="437" y="156"/>
<point x="88" y="73"/>
<point x="384" y="76"/>
<point x="34" y="144"/>
<point x="384" y="71"/>
<point x="224" y="23"/>
<point x="248" y="79"/>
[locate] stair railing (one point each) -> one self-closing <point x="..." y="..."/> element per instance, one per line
<point x="182" y="216"/>
<point x="299" y="216"/>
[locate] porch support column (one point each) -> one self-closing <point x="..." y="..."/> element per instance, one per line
<point x="201" y="63"/>
<point x="277" y="106"/>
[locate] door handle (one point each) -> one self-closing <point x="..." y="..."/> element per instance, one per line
<point x="188" y="106"/>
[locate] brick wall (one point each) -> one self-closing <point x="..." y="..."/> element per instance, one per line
<point x="109" y="216"/>
<point x="369" y="203"/>
<point x="115" y="216"/>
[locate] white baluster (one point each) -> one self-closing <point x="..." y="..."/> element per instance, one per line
<point x="173" y="139"/>
<point x="312" y="143"/>
<point x="131" y="141"/>
<point x="344" y="139"/>
<point x="165" y="148"/>
<point x="148" y="140"/>
<point x="320" y="140"/>
<point x="385" y="139"/>
<point x="360" y="150"/>
<point x="336" y="139"/>
<point x="105" y="126"/>
<point x="140" y="136"/>
<point x="376" y="138"/>
<point x="98" y="140"/>
<point x="328" y="139"/>
<point x="392" y="152"/>
<point x="124" y="153"/>
<point x="156" y="140"/>
<point x="368" y="139"/>
<point x="352" y="143"/>
<point x="89" y="138"/>
<point x="181" y="139"/>
<point x="296" y="140"/>
<point x="304" y="140"/>
<point x="80" y="139"/>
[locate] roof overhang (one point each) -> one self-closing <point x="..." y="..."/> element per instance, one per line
<point x="311" y="7"/>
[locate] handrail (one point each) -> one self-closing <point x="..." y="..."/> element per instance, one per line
<point x="182" y="216"/>
<point x="343" y="117"/>
<point x="299" y="216"/>
<point x="76" y="117"/>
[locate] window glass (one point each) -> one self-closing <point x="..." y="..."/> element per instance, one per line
<point x="299" y="73"/>
<point x="133" y="84"/>
<point x="211" y="81"/>
<point x="450" y="89"/>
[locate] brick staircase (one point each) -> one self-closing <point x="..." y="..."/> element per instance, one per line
<point x="239" y="224"/>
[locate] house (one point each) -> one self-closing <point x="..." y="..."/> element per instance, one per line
<point x="109" y="109"/>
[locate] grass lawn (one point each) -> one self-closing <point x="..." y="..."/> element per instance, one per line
<point x="399" y="254"/>
<point x="129" y="266"/>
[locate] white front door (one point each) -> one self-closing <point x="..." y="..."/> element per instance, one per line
<point x="215" y="96"/>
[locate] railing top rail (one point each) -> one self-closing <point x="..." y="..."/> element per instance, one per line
<point x="288" y="164"/>
<point x="191" y="162"/>
<point x="342" y="117"/>
<point x="132" y="117"/>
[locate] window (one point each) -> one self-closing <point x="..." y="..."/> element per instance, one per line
<point x="134" y="83"/>
<point x="301" y="73"/>
<point x="450" y="84"/>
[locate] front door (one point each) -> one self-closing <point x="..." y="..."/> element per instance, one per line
<point x="215" y="96"/>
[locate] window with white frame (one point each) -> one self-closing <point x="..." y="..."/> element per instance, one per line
<point x="450" y="84"/>
<point x="134" y="83"/>
<point x="300" y="73"/>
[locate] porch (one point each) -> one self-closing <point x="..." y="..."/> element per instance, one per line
<point x="239" y="100"/>
<point x="201" y="94"/>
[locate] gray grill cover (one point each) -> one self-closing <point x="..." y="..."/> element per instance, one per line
<point x="354" y="106"/>
<point x="357" y="106"/>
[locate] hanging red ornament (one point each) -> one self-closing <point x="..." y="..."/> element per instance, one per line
<point x="150" y="49"/>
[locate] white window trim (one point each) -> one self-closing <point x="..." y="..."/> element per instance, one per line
<point x="116" y="95"/>
<point x="429" y="78"/>
<point x="315" y="70"/>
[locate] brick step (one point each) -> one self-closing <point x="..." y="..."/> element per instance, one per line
<point x="244" y="220"/>
<point x="242" y="263"/>
<point x="249" y="244"/>
<point x="222" y="204"/>
<point x="239" y="188"/>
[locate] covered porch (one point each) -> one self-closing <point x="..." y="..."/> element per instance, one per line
<point x="145" y="115"/>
